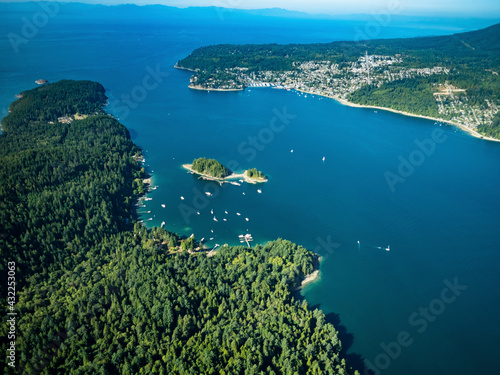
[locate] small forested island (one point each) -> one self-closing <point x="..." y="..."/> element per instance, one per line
<point x="453" y="78"/>
<point x="211" y="169"/>
<point x="99" y="293"/>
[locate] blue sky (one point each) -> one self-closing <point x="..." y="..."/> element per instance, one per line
<point x="465" y="8"/>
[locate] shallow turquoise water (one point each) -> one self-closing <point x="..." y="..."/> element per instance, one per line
<point x="441" y="223"/>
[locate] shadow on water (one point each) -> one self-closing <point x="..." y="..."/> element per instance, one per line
<point x="354" y="360"/>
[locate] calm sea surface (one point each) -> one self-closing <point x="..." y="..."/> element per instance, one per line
<point x="427" y="306"/>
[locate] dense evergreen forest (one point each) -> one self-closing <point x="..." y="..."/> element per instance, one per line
<point x="254" y="173"/>
<point x="210" y="167"/>
<point x="97" y="293"/>
<point x="400" y="95"/>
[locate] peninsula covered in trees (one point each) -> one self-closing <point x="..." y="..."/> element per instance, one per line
<point x="211" y="169"/>
<point x="98" y="293"/>
<point x="448" y="78"/>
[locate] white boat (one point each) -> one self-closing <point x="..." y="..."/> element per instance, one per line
<point x="237" y="213"/>
<point x="215" y="219"/>
<point x="212" y="211"/>
<point x="259" y="191"/>
<point x="148" y="199"/>
<point x="162" y="224"/>
<point x="198" y="212"/>
<point x="225" y="212"/>
<point x="209" y="194"/>
<point x="163" y="205"/>
<point x="388" y="248"/>
<point x="224" y="219"/>
<point x="323" y="158"/>
<point x="247" y="219"/>
<point x="291" y="150"/>
<point x="182" y="198"/>
<point x="211" y="238"/>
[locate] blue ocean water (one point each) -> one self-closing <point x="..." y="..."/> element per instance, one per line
<point x="426" y="306"/>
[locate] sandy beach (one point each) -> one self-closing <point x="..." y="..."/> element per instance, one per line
<point x="233" y="176"/>
<point x="310" y="278"/>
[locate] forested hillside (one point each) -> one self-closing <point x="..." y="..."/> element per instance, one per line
<point x="210" y="167"/>
<point x="98" y="294"/>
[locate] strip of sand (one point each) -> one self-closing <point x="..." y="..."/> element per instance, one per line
<point x="310" y="278"/>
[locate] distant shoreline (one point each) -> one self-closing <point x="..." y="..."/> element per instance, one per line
<point x="201" y="88"/>
<point x="232" y="176"/>
<point x="350" y="104"/>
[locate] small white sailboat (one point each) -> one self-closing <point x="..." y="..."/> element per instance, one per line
<point x="388" y="248"/>
<point x="212" y="211"/>
<point x="215" y="219"/>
